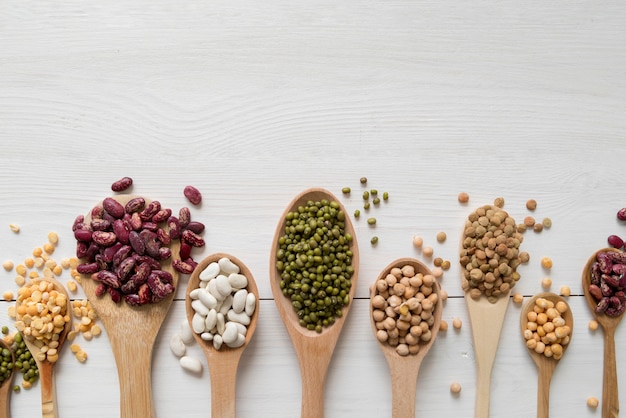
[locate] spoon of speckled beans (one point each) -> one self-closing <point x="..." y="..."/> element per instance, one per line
<point x="313" y="341"/>
<point x="223" y="362"/>
<point x="5" y="387"/>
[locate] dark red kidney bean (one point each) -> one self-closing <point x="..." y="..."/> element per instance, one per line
<point x="615" y="241"/>
<point x="97" y="212"/>
<point x="196" y="227"/>
<point x="109" y="252"/>
<point x="103" y="238"/>
<point x="121" y="254"/>
<point x="101" y="289"/>
<point x="130" y="286"/>
<point x="158" y="288"/>
<point x="122" y="184"/>
<point x="121" y="231"/>
<point x="81" y="249"/>
<point x="92" y="250"/>
<point x="621" y="214"/>
<point x="83" y="235"/>
<point x="193" y="195"/>
<point x="174" y="227"/>
<point x="185" y="251"/>
<point x="151" y="262"/>
<point x="191" y="262"/>
<point x="182" y="267"/>
<point x="165" y="276"/>
<point x="115" y="294"/>
<point x="78" y="222"/>
<point x="137" y="243"/>
<point x="142" y="272"/>
<point x="163" y="236"/>
<point x="602" y="305"/>
<point x="150" y="210"/>
<point x="125" y="268"/>
<point x="113" y="207"/>
<point x="135" y="222"/>
<point x="595" y="292"/>
<point x="102" y="264"/>
<point x="88" y="268"/>
<point x="144" y="293"/>
<point x="164" y="253"/>
<point x="150" y="226"/>
<point x="99" y="225"/>
<point x="132" y="299"/>
<point x="109" y="278"/>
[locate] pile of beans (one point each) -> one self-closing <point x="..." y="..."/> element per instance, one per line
<point x="403" y="307"/>
<point x="490" y="253"/>
<point x="546" y="331"/>
<point x="222" y="304"/>
<point x="41" y="315"/>
<point x="608" y="282"/>
<point x="122" y="247"/>
<point x="314" y="259"/>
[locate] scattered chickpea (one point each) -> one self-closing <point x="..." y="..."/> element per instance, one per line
<point x="20" y="280"/>
<point x="546" y="222"/>
<point x="418" y="241"/>
<point x="524" y="257"/>
<point x="53" y="237"/>
<point x="71" y="285"/>
<point x="455" y="388"/>
<point x="546" y="262"/>
<point x="437" y="262"/>
<point x="445" y="265"/>
<point x="593" y="325"/>
<point x="457" y="323"/>
<point x="437" y="272"/>
<point x="498" y="202"/>
<point x="531" y="204"/>
<point x="37" y="251"/>
<point x="7" y="265"/>
<point x="518" y="298"/>
<point x="14" y="227"/>
<point x="48" y="248"/>
<point x="565" y="291"/>
<point x="538" y="227"/>
<point x="427" y="251"/>
<point x="8" y="295"/>
<point x="21" y="269"/>
<point x="592" y="402"/>
<point x="463" y="197"/>
<point x="441" y="237"/>
<point x="546" y="282"/>
<point x="443" y="326"/>
<point x="443" y="294"/>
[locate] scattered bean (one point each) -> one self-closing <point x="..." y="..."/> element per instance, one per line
<point x="518" y="298"/>
<point x="191" y="364"/>
<point x="366" y="205"/>
<point x="615" y="241"/>
<point x="366" y="195"/>
<point x="531" y="204"/>
<point x="498" y="202"/>
<point x="363" y="180"/>
<point x="418" y="241"/>
<point x="565" y="291"/>
<point x="14" y="227"/>
<point x="457" y="323"/>
<point x="547" y="223"/>
<point x="538" y="227"/>
<point x="593" y="402"/>
<point x="7" y="265"/>
<point x="441" y="237"/>
<point x="593" y="325"/>
<point x="122" y="184"/>
<point x="443" y="326"/>
<point x="193" y="195"/>
<point x="455" y="388"/>
<point x="546" y="262"/>
<point x="463" y="197"/>
<point x="427" y="251"/>
<point x="385" y="196"/>
<point x="621" y="214"/>
<point x="546" y="282"/>
<point x="371" y="221"/>
<point x="374" y="240"/>
<point x="357" y="213"/>
<point x="7" y="295"/>
<point x="345" y="190"/>
<point x="529" y="221"/>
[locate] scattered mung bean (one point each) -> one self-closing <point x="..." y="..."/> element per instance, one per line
<point x="371" y="221"/>
<point x="357" y="213"/>
<point x="345" y="190"/>
<point x="385" y="196"/>
<point x="363" y="180"/>
<point x="374" y="240"/>
<point x="366" y="195"/>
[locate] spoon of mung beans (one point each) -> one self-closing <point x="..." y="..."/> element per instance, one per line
<point x="609" y="319"/>
<point x="405" y="313"/>
<point x="314" y="264"/>
<point x="546" y="322"/>
<point x="43" y="316"/>
<point x="223" y="362"/>
<point x="7" y="361"/>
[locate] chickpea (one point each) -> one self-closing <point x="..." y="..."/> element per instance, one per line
<point x="427" y="251"/>
<point x="463" y="197"/>
<point x="593" y="325"/>
<point x="457" y="323"/>
<point x="418" y="241"/>
<point x="546" y="262"/>
<point x="592" y="402"/>
<point x="455" y="388"/>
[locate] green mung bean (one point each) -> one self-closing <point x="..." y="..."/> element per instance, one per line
<point x="376" y="201"/>
<point x="371" y="221"/>
<point x="385" y="196"/>
<point x="345" y="190"/>
<point x="6" y="365"/>
<point x="374" y="239"/>
<point x="373" y="192"/>
<point x="357" y="213"/>
<point x="366" y="205"/>
<point x="314" y="260"/>
<point x="366" y="195"/>
<point x="363" y="180"/>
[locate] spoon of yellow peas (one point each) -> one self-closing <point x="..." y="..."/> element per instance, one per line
<point x="546" y="321"/>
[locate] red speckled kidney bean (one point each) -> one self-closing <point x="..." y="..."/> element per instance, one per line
<point x="122" y="184"/>
<point x="113" y="208"/>
<point x="193" y="195"/>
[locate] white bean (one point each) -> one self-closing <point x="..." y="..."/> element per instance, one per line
<point x="221" y="323"/>
<point x="241" y="329"/>
<point x="197" y="323"/>
<point x="237" y="281"/>
<point x="186" y="333"/>
<point x="238" y="341"/>
<point x="199" y="307"/>
<point x="228" y="266"/>
<point x="227" y="303"/>
<point x="230" y="333"/>
<point x="191" y="364"/>
<point x="194" y="293"/>
<point x="177" y="345"/>
<point x="223" y="286"/>
<point x="217" y="341"/>
<point x="211" y="320"/>
<point x="207" y="298"/>
<point x="212" y="288"/>
<point x="239" y="300"/>
<point x="206" y="336"/>
<point x="242" y="318"/>
<point x="210" y="272"/>
<point x="250" y="304"/>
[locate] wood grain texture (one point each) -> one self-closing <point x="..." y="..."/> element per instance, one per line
<point x="252" y="104"/>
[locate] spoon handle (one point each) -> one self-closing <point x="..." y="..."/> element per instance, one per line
<point x="403" y="390"/>
<point x="610" y="393"/>
<point x="313" y="378"/>
<point x="134" y="371"/>
<point x="543" y="389"/>
<point x="483" y="391"/>
<point x="48" y="391"/>
<point x="223" y="372"/>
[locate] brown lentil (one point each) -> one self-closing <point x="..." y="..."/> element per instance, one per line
<point x="529" y="221"/>
<point x="531" y="204"/>
<point x="546" y="222"/>
<point x="498" y="202"/>
<point x="538" y="227"/>
<point x="441" y="237"/>
<point x="463" y="197"/>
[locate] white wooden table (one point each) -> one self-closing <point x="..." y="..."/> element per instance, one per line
<point x="252" y="102"/>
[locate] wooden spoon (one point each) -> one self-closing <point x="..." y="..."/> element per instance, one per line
<point x="545" y="365"/>
<point x="6" y="386"/>
<point x="132" y="331"/>
<point x="46" y="377"/>
<point x="314" y="349"/>
<point x="486" y="321"/>
<point x="223" y="363"/>
<point x="610" y="393"/>
<point x="405" y="369"/>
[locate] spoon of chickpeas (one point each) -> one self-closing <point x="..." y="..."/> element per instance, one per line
<point x="546" y="321"/>
<point x="405" y="312"/>
<point x="7" y="360"/>
<point x="43" y="316"/>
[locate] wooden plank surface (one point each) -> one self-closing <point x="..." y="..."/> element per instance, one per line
<point x="253" y="103"/>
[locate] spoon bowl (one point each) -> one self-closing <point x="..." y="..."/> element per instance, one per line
<point x="314" y="350"/>
<point x="545" y="365"/>
<point x="222" y="363"/>
<point x="610" y="393"/>
<point x="132" y="331"/>
<point x="5" y="387"/>
<point x="405" y="369"/>
<point x="46" y="368"/>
